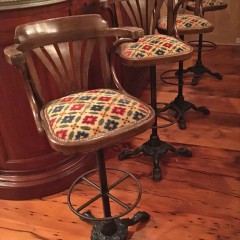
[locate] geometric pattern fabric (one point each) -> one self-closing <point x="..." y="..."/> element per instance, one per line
<point x="185" y="22"/>
<point x="208" y="3"/>
<point x="87" y="115"/>
<point x="154" y="46"/>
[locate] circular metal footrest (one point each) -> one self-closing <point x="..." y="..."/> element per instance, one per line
<point x="206" y="45"/>
<point x="85" y="178"/>
<point x="171" y="77"/>
<point x="172" y="114"/>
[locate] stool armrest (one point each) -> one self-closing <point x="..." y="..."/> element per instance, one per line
<point x="16" y="58"/>
<point x="125" y="34"/>
<point x="113" y="52"/>
<point x="128" y="32"/>
<point x="13" y="56"/>
<point x="172" y="25"/>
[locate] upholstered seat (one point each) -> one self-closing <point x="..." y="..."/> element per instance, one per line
<point x="153" y="48"/>
<point x="92" y="117"/>
<point x="187" y="23"/>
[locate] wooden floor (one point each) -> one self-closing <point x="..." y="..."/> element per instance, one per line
<point x="199" y="197"/>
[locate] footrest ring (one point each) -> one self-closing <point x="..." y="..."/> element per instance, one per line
<point x="76" y="210"/>
<point x="206" y="45"/>
<point x="168" y="79"/>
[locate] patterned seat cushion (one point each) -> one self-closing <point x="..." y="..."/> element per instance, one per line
<point x="187" y="22"/>
<point x="90" y="114"/>
<point x="154" y="47"/>
<point x="207" y="3"/>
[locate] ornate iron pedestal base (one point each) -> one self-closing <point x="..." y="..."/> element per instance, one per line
<point x="116" y="229"/>
<point x="108" y="227"/>
<point x="198" y="70"/>
<point x="185" y="106"/>
<point x="155" y="148"/>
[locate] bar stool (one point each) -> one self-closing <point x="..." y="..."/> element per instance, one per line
<point x="191" y="24"/>
<point x="202" y="45"/>
<point x="178" y="25"/>
<point x="78" y="119"/>
<point x="149" y="51"/>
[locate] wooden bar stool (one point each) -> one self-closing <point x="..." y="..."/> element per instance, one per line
<point x="149" y="51"/>
<point x="178" y="25"/>
<point x="79" y="118"/>
<point x="202" y="45"/>
<point x="191" y="24"/>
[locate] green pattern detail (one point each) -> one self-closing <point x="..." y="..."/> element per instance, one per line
<point x="70" y="137"/>
<point x="101" y="121"/>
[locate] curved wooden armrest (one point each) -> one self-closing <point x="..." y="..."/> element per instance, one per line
<point x="198" y="7"/>
<point x="125" y="34"/>
<point x="128" y="32"/>
<point x="13" y="55"/>
<point x="198" y="10"/>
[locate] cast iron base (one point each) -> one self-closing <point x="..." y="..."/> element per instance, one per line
<point x="116" y="229"/>
<point x="198" y="70"/>
<point x="185" y="106"/>
<point x="155" y="148"/>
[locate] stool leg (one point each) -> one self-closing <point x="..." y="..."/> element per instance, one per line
<point x="103" y="183"/>
<point x="110" y="227"/>
<point x="154" y="147"/>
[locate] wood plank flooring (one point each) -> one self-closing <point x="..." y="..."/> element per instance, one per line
<point x="199" y="197"/>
